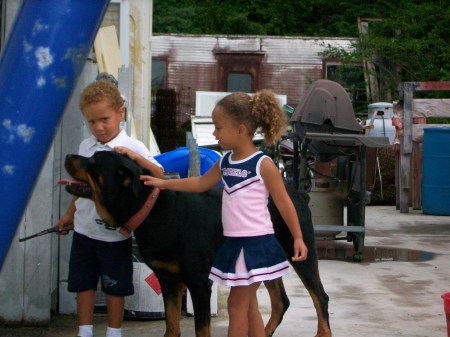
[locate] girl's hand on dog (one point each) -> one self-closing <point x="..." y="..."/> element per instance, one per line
<point x="152" y="181"/>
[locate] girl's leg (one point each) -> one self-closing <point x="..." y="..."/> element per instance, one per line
<point x="255" y="321"/>
<point x="240" y="300"/>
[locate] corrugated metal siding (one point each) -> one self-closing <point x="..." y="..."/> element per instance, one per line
<point x="289" y="64"/>
<point x="190" y="49"/>
<point x="200" y="48"/>
<point x="200" y="76"/>
<point x="289" y="80"/>
<point x="299" y="51"/>
<point x="239" y="44"/>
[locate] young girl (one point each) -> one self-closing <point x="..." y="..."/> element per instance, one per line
<point x="251" y="254"/>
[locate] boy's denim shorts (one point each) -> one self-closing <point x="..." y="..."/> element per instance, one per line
<point x="93" y="259"/>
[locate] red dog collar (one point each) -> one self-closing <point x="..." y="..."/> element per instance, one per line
<point x="136" y="220"/>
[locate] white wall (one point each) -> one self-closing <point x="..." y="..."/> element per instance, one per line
<point x="35" y="270"/>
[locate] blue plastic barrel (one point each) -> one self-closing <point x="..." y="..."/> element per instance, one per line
<point x="178" y="160"/>
<point x="436" y="171"/>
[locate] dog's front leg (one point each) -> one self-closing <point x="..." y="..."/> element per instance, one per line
<point x="172" y="294"/>
<point x="201" y="297"/>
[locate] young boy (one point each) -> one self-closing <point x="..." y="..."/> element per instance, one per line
<point x="98" y="251"/>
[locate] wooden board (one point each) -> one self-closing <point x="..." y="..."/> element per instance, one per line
<point x="431" y="108"/>
<point x="426" y="108"/>
<point x="107" y="51"/>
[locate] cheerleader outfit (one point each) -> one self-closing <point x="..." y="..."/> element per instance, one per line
<point x="251" y="253"/>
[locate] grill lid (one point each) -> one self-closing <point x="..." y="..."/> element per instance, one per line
<point x="326" y="107"/>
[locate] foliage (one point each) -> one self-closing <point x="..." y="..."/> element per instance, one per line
<point x="259" y="17"/>
<point x="415" y="41"/>
<point x="407" y="39"/>
<point x="409" y="45"/>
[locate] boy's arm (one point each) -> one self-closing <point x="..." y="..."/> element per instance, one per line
<point x="156" y="170"/>
<point x="65" y="223"/>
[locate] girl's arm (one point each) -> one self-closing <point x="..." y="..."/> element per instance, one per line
<point x="275" y="185"/>
<point x="191" y="184"/>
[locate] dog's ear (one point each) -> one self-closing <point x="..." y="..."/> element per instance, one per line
<point x="130" y="173"/>
<point x="147" y="172"/>
<point x="130" y="179"/>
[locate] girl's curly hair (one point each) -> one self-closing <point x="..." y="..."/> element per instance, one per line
<point x="260" y="110"/>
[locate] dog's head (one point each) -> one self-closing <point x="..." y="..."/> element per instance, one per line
<point x="110" y="180"/>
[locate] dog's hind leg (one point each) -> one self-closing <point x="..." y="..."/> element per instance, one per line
<point x="309" y="274"/>
<point x="308" y="270"/>
<point x="279" y="303"/>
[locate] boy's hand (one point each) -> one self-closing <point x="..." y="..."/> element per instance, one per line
<point x="65" y="224"/>
<point x="126" y="152"/>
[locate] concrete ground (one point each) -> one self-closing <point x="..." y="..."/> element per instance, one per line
<point x="395" y="292"/>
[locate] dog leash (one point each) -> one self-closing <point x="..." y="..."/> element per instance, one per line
<point x="136" y="220"/>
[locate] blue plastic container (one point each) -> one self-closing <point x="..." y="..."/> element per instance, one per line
<point x="436" y="171"/>
<point x="178" y="160"/>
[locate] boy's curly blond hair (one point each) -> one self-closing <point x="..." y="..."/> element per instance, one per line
<point x="100" y="91"/>
<point x="260" y="110"/>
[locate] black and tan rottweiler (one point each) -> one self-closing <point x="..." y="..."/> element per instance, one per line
<point x="182" y="233"/>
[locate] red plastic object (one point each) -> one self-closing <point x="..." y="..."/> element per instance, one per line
<point x="446" y="298"/>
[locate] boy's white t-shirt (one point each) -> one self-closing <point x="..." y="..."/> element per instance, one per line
<point x="86" y="216"/>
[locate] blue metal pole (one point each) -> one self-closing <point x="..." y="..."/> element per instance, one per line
<point x="39" y="67"/>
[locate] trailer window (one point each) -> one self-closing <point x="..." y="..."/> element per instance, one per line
<point x="158" y="74"/>
<point x="239" y="82"/>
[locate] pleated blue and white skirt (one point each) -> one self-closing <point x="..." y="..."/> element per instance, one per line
<point x="242" y="261"/>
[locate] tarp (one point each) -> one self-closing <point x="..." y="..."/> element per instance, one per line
<point x="40" y="64"/>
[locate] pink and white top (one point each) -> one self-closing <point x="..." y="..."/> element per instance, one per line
<point x="245" y="197"/>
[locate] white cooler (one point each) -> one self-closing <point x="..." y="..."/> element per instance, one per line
<point x="214" y="296"/>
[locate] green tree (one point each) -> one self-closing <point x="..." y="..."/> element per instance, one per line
<point x="407" y="40"/>
<point x="411" y="45"/>
<point x="279" y="17"/>
<point x="170" y="17"/>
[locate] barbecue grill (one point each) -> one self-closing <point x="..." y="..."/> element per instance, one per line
<point x="329" y="162"/>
